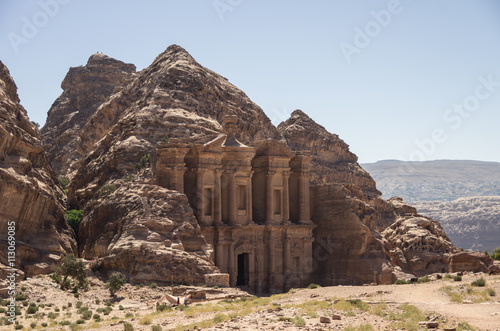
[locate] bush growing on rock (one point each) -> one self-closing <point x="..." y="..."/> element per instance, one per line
<point x="74" y="218"/>
<point x="106" y="191"/>
<point x="115" y="282"/>
<point x="74" y="268"/>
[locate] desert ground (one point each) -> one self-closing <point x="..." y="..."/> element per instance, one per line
<point x="449" y="303"/>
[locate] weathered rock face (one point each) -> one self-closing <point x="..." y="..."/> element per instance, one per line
<point x="29" y="194"/>
<point x="148" y="233"/>
<point x="85" y="88"/>
<point x="418" y="244"/>
<point x="345" y="250"/>
<point x="332" y="161"/>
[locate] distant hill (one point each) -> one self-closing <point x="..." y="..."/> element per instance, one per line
<point x="463" y="195"/>
<point x="442" y="180"/>
<point x="471" y="223"/>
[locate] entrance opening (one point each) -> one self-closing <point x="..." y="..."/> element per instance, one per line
<point x="243" y="278"/>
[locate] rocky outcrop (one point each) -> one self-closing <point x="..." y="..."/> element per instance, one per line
<point x="345" y="250"/>
<point x="332" y="161"/>
<point x="148" y="233"/>
<point x="29" y="193"/>
<point x="84" y="89"/>
<point x="471" y="223"/>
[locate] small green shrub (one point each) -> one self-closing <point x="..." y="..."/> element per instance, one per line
<point x="74" y="218"/>
<point x="144" y="162"/>
<point x="491" y="292"/>
<point x="153" y="285"/>
<point x="64" y="182"/>
<point x="33" y="325"/>
<point x="65" y="322"/>
<point x="479" y="282"/>
<point x="80" y="321"/>
<point x="106" y="191"/>
<point x="86" y="315"/>
<point x="129" y="178"/>
<point x="298" y="321"/>
<point x="156" y="328"/>
<point x="44" y="325"/>
<point x="19" y="327"/>
<point x="457" y="278"/>
<point x="424" y="279"/>
<point x="313" y="286"/>
<point x="163" y="308"/>
<point x="97" y="301"/>
<point x="128" y="327"/>
<point x="400" y="282"/>
<point x="121" y="307"/>
<point x="129" y="315"/>
<point x="96" y="317"/>
<point x="79" y="304"/>
<point x="32" y="309"/>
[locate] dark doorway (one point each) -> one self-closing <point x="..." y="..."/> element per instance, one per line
<point x="243" y="278"/>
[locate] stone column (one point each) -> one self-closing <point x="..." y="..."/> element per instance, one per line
<point x="249" y="200"/>
<point x="232" y="271"/>
<point x="307" y="264"/>
<point x="219" y="258"/>
<point x="304" y="208"/>
<point x="286" y="199"/>
<point x="269" y="197"/>
<point x="200" y="195"/>
<point x="233" y="216"/>
<point x="271" y="265"/>
<point x="176" y="178"/>
<point x="259" y="257"/>
<point x="218" y="198"/>
<point x="287" y="263"/>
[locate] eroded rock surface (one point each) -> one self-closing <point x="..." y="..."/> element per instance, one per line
<point x="332" y="162"/>
<point x="85" y="88"/>
<point x="29" y="193"/>
<point x="148" y="233"/>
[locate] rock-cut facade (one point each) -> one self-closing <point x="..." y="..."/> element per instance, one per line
<point x="252" y="204"/>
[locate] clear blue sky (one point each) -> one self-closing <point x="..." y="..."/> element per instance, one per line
<point x="412" y="62"/>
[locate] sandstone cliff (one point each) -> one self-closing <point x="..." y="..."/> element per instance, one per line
<point x="84" y="89"/>
<point x="148" y="233"/>
<point x="345" y="251"/>
<point x="332" y="162"/>
<point x="29" y="193"/>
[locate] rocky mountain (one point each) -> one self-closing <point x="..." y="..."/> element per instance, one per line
<point x="30" y="195"/>
<point x="441" y="180"/>
<point x="103" y="132"/>
<point x="471" y="223"/>
<point x="84" y="89"/>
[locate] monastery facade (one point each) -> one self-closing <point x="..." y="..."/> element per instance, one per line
<point x="252" y="204"/>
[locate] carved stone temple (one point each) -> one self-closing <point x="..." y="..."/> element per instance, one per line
<point x="252" y="204"/>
